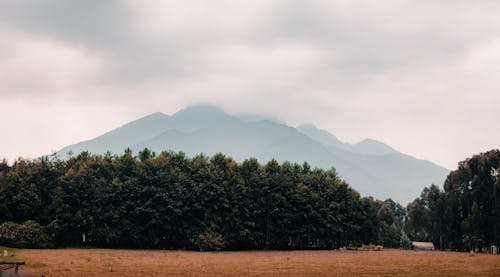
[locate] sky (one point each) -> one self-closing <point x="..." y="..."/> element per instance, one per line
<point x="422" y="76"/>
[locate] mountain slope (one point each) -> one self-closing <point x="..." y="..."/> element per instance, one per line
<point x="372" y="147"/>
<point x="371" y="167"/>
<point x="321" y="136"/>
<point x="120" y="138"/>
<point x="367" y="146"/>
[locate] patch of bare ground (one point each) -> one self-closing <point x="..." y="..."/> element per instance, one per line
<point x="108" y="262"/>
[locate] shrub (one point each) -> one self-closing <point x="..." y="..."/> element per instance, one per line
<point x="26" y="235"/>
<point x="472" y="241"/>
<point x="210" y="240"/>
<point x="405" y="241"/>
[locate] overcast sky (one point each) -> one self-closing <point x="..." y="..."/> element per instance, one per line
<point x="422" y="76"/>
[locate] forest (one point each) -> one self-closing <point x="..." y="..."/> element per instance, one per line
<point x="171" y="201"/>
<point x="466" y="212"/>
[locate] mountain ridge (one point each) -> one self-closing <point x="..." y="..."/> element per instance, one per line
<point x="370" y="166"/>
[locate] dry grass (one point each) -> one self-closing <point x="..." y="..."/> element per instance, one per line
<point x="107" y="262"/>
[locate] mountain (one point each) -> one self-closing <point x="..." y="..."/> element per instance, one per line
<point x="370" y="166"/>
<point x="321" y="136"/>
<point x="119" y="139"/>
<point x="367" y="146"/>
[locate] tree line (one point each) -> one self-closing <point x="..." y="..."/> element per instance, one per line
<point x="171" y="201"/>
<point x="465" y="214"/>
<point x="175" y="202"/>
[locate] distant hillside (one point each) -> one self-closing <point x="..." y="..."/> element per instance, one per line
<point x="371" y="167"/>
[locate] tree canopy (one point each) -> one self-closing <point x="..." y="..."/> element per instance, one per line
<point x="172" y="201"/>
<point x="466" y="213"/>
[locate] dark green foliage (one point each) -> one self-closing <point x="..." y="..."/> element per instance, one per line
<point x="172" y="201"/>
<point x="26" y="235"/>
<point x="467" y="213"/>
<point x="404" y="241"/>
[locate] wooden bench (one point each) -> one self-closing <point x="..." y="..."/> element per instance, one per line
<point x="5" y="265"/>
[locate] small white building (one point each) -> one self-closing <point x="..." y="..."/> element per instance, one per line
<point x="422" y="245"/>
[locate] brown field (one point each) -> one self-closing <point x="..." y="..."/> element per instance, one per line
<point x="107" y="262"/>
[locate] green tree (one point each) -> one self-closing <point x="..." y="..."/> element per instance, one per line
<point x="405" y="241"/>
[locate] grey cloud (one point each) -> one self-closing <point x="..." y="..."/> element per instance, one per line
<point x="380" y="64"/>
<point x="87" y="23"/>
<point x="384" y="37"/>
<point x="104" y="27"/>
<point x="355" y="41"/>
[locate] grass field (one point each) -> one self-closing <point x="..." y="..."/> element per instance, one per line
<point x="107" y="262"/>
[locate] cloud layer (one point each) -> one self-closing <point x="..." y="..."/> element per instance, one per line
<point x="422" y="76"/>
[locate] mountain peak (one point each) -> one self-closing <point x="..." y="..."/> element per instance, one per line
<point x="156" y="115"/>
<point x="257" y="118"/>
<point x="200" y="117"/>
<point x="373" y="147"/>
<point x="200" y="109"/>
<point x="319" y="135"/>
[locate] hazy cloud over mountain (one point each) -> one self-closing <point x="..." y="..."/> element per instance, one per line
<point x="422" y="76"/>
